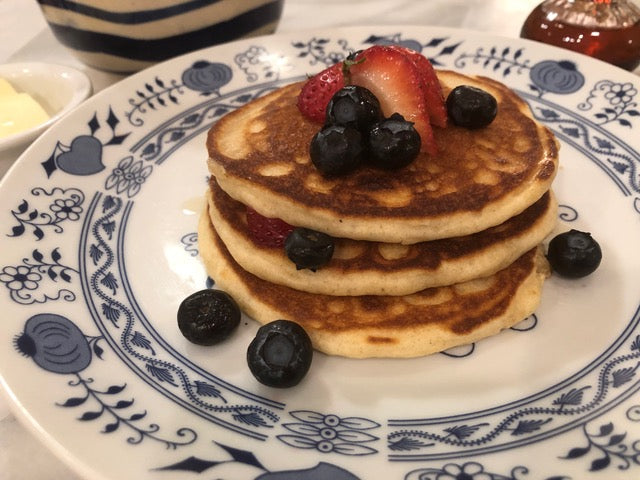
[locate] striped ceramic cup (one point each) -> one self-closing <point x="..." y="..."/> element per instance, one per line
<point x="128" y="35"/>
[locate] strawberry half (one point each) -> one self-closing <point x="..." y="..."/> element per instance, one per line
<point x="318" y="90"/>
<point x="397" y="82"/>
<point x="268" y="232"/>
<point x="432" y="89"/>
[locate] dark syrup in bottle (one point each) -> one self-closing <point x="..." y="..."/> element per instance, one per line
<point x="605" y="29"/>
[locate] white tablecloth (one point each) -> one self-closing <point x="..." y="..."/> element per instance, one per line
<point x="24" y="36"/>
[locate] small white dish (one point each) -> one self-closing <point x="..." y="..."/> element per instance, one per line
<point x="57" y="88"/>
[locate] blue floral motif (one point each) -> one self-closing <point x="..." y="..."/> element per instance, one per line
<point x="315" y="50"/>
<point x="122" y="323"/>
<point x="128" y="177"/>
<point x="20" y="278"/>
<point x="527" y="324"/>
<point x="204" y="77"/>
<point x="133" y="170"/>
<point x="154" y="94"/>
<point x="567" y="213"/>
<point x="434" y="49"/>
<point x="618" y="99"/>
<point x="527" y="422"/>
<point x="596" y="144"/>
<point x="606" y="445"/>
<point x="463" y="351"/>
<point x="258" y="64"/>
<point x="460" y="351"/>
<point x="58" y="346"/>
<point x="54" y="343"/>
<point x="185" y="126"/>
<point x="610" y="447"/>
<point x="505" y="60"/>
<point x="25" y="281"/>
<point x="323" y="470"/>
<point x="66" y="209"/>
<point x="552" y="76"/>
<point x="468" y="471"/>
<point x="65" y="205"/>
<point x="397" y="39"/>
<point x="560" y="77"/>
<point x="83" y="156"/>
<point x="190" y="243"/>
<point x="330" y="433"/>
<point x="621" y="93"/>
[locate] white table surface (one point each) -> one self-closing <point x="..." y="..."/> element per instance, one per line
<point x="24" y="36"/>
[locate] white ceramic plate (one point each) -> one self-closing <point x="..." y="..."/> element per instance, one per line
<point x="57" y="88"/>
<point x="98" y="249"/>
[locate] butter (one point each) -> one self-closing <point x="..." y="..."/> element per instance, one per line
<point x="18" y="110"/>
<point x="6" y="88"/>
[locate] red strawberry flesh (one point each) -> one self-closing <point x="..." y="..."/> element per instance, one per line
<point x="397" y="82"/>
<point x="268" y="232"/>
<point x="433" y="90"/>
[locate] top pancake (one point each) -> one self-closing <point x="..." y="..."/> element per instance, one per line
<point x="480" y="178"/>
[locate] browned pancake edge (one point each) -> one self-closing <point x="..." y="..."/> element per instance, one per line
<point x="385" y="326"/>
<point x="480" y="178"/>
<point x="374" y="268"/>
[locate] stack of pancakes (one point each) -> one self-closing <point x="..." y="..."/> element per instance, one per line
<point x="440" y="253"/>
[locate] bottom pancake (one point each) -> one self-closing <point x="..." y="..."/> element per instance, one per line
<point x="413" y="325"/>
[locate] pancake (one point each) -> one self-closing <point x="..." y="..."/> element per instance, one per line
<point x="374" y="268"/>
<point x="385" y="326"/>
<point x="479" y="179"/>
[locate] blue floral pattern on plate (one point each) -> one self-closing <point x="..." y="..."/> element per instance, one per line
<point x="99" y="248"/>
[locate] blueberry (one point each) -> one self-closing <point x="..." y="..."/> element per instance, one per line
<point x="471" y="107"/>
<point x="208" y="317"/>
<point x="336" y="149"/>
<point x="393" y="143"/>
<point x="354" y="106"/>
<point x="308" y="248"/>
<point x="574" y="254"/>
<point x="280" y="354"/>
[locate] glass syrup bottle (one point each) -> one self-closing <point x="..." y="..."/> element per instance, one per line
<point x="604" y="29"/>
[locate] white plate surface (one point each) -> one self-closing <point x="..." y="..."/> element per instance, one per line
<point x="98" y="249"/>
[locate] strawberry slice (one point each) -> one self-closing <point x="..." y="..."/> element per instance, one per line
<point x="316" y="93"/>
<point x="433" y="90"/>
<point x="397" y="82"/>
<point x="268" y="232"/>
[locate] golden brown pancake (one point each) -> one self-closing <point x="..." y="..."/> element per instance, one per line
<point x="372" y="268"/>
<point x="479" y="179"/>
<point x="429" y="321"/>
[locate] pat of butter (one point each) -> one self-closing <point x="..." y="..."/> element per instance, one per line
<point x="18" y="111"/>
<point x="6" y="88"/>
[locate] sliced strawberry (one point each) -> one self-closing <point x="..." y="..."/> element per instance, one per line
<point x="316" y="93"/>
<point x="268" y="232"/>
<point x="396" y="81"/>
<point x="433" y="90"/>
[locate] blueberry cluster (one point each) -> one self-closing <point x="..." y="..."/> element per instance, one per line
<point x="356" y="130"/>
<point x="280" y="354"/>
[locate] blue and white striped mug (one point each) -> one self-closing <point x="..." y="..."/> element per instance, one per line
<point x="128" y="35"/>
